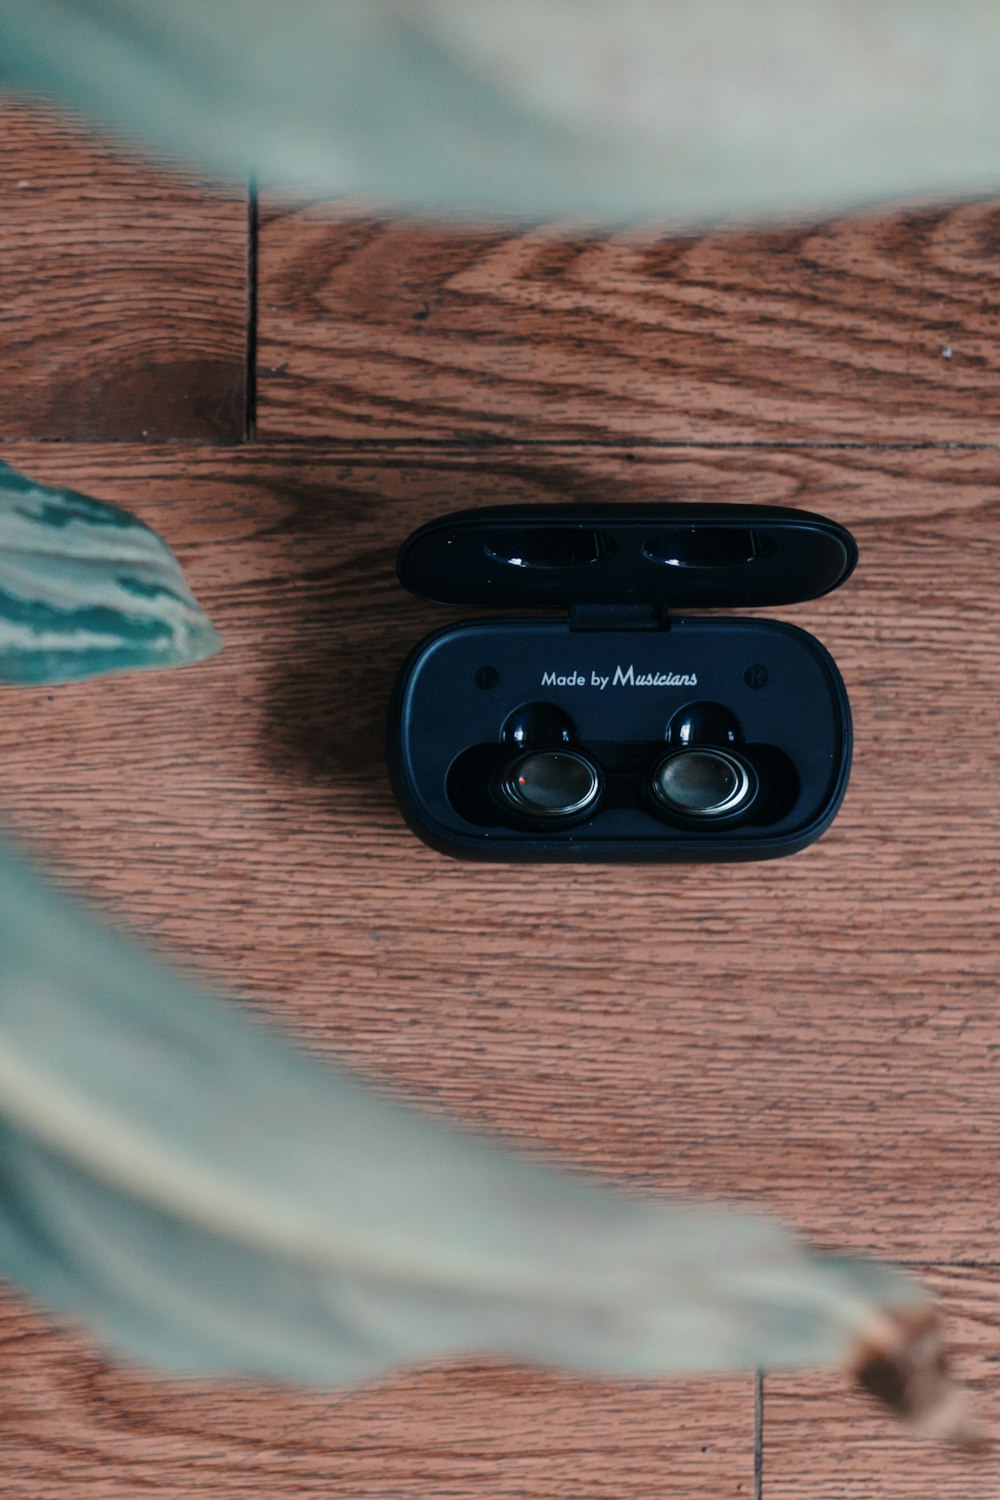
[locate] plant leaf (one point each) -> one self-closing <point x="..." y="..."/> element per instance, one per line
<point x="540" y="107"/>
<point x="85" y="589"/>
<point x="205" y="1197"/>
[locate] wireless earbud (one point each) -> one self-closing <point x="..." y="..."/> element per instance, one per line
<point x="548" y="782"/>
<point x="538" y="724"/>
<point x="703" y="777"/>
<point x="703" y="723"/>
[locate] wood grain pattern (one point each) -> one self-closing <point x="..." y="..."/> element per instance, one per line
<point x="124" y="292"/>
<point x="73" y="1427"/>
<point x="870" y="329"/>
<point x="819" y="1442"/>
<point x="815" y="1034"/>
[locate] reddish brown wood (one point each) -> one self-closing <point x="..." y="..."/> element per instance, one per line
<point x="816" y="1034"/>
<point x="73" y="1427"/>
<point x="124" y="291"/>
<point x="880" y="328"/>
<point x="817" y="1441"/>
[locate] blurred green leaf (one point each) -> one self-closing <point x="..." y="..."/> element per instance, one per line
<point x="645" y="108"/>
<point x="204" y="1197"/>
<point x="85" y="589"/>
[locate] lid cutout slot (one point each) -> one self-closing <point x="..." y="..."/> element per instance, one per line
<point x="549" y="547"/>
<point x="706" y="547"/>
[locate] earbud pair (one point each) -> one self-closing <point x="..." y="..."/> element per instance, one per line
<point x="548" y="782"/>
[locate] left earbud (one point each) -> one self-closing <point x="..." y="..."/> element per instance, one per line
<point x="547" y="782"/>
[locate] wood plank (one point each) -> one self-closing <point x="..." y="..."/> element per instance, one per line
<point x="815" y="1034"/>
<point x="124" y="291"/>
<point x="882" y="327"/>
<point x="817" y="1441"/>
<point x="74" y="1427"/>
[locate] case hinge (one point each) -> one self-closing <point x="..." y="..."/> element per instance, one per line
<point x="619" y="617"/>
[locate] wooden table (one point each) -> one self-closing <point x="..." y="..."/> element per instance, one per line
<point x="284" y="392"/>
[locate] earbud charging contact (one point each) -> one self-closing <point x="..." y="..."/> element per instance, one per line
<point x="702" y="784"/>
<point x="548" y="788"/>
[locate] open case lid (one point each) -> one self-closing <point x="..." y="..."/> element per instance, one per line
<point x="677" y="556"/>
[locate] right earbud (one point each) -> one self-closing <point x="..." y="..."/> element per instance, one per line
<point x="703" y="777"/>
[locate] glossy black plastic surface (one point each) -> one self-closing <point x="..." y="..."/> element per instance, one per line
<point x="675" y="556"/>
<point x="624" y="682"/>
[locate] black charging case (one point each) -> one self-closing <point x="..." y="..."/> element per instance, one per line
<point x="622" y="729"/>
